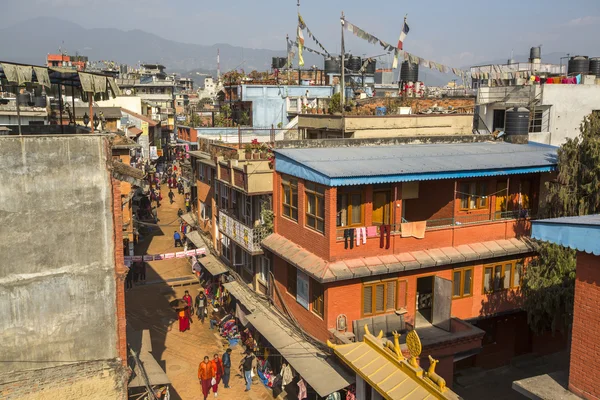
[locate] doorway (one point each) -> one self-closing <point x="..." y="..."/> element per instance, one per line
<point x="498" y="122"/>
<point x="424" y="301"/>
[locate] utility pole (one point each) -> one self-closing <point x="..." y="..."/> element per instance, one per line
<point x="342" y="82"/>
<point x="289" y="62"/>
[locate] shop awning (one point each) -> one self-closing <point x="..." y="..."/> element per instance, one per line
<point x="212" y="265"/>
<point x="313" y="364"/>
<point x="189" y="219"/>
<point x="195" y="238"/>
<point x="237" y="291"/>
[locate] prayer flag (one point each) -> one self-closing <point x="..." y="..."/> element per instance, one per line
<point x="300" y="46"/>
<point x="403" y="34"/>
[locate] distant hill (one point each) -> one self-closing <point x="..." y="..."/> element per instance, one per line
<point x="30" y="41"/>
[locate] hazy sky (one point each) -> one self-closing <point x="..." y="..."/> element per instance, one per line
<point x="457" y="33"/>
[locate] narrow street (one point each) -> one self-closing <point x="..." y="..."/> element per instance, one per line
<point x="147" y="307"/>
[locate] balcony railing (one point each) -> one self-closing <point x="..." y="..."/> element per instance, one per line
<point x="243" y="235"/>
<point x="459" y="220"/>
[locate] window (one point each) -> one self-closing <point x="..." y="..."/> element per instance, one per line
<point x="502" y="275"/>
<point x="224" y="198"/>
<point x="289" y="189"/>
<point x="292" y="280"/>
<point x="201" y="176"/>
<point x="264" y="269"/>
<point x="379" y="297"/>
<point x="536" y="122"/>
<point x="317" y="298"/>
<point x="349" y="209"/>
<point x="462" y="282"/>
<point x="473" y="195"/>
<point x="315" y="206"/>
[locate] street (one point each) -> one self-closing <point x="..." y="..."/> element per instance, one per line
<point x="147" y="307"/>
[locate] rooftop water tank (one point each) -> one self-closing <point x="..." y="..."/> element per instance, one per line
<point x="371" y="67"/>
<point x="595" y="66"/>
<point x="409" y="72"/>
<point x="517" y="121"/>
<point x="278" y="62"/>
<point x="353" y="63"/>
<point x="535" y="52"/>
<point x="579" y="65"/>
<point x="333" y="65"/>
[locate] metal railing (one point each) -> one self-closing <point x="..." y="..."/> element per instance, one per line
<point x="245" y="236"/>
<point x="459" y="220"/>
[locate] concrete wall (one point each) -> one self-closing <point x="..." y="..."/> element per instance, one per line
<point x="402" y="125"/>
<point x="570" y="104"/>
<point x="58" y="246"/>
<point x="131" y="103"/>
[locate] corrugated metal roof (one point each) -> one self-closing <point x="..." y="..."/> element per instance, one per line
<point x="578" y="233"/>
<point x="593" y="220"/>
<point x="359" y="165"/>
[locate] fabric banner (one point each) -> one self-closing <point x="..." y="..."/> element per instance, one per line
<point x="241" y="315"/>
<point x="114" y="87"/>
<point x="24" y="74"/>
<point x="41" y="74"/>
<point x="300" y="40"/>
<point x="166" y="256"/>
<point x="87" y="82"/>
<point x="401" y="53"/>
<point x="295" y="44"/>
<point x="99" y="84"/>
<point x="303" y="26"/>
<point x="10" y="70"/>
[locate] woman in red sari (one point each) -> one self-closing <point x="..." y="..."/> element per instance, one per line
<point x="184" y="319"/>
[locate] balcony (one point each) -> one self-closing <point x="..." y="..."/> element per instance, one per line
<point x="510" y="95"/>
<point x="244" y="236"/>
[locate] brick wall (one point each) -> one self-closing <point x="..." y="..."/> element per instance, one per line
<point x="584" y="373"/>
<point x="95" y="380"/>
<point x="435" y="201"/>
<point x="206" y="196"/>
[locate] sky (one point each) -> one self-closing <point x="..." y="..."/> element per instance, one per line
<point x="456" y="33"/>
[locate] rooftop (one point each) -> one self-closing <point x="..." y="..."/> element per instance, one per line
<point x="343" y="166"/>
<point x="578" y="233"/>
<point x="150" y="121"/>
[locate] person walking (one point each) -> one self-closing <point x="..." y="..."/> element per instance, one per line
<point x="201" y="305"/>
<point x="184" y="319"/>
<point x="188" y="299"/>
<point x="246" y="367"/>
<point x="171" y="196"/>
<point x="226" y="367"/>
<point x="218" y="366"/>
<point x="206" y="373"/>
<point x="188" y="206"/>
<point x="129" y="279"/>
<point x="177" y="238"/>
<point x="142" y="272"/>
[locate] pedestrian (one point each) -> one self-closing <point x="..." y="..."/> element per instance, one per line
<point x="218" y="366"/>
<point x="201" y="305"/>
<point x="188" y="299"/>
<point x="129" y="279"/>
<point x="246" y="367"/>
<point x="188" y="207"/>
<point x="142" y="272"/>
<point x="136" y="272"/>
<point x="226" y="367"/>
<point x="206" y="373"/>
<point x="179" y="188"/>
<point x="158" y="198"/>
<point x="171" y="196"/>
<point x="170" y="182"/>
<point x="177" y="238"/>
<point x="179" y="213"/>
<point x="184" y="319"/>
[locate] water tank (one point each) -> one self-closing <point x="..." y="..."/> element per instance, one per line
<point x="39" y="101"/>
<point x="579" y="65"/>
<point x="517" y="121"/>
<point x="278" y="62"/>
<point x="595" y="66"/>
<point x="371" y="67"/>
<point x="409" y="72"/>
<point x="353" y="63"/>
<point x="24" y="98"/>
<point x="535" y="52"/>
<point x="333" y="65"/>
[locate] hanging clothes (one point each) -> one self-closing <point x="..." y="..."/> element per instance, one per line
<point x="302" y="390"/>
<point x="286" y="375"/>
<point x="357" y="232"/>
<point x="334" y="396"/>
<point x="372" y="231"/>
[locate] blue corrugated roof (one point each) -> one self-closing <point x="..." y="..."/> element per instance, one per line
<point x="579" y="233"/>
<point x="342" y="166"/>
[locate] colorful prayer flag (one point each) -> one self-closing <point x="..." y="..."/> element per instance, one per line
<point x="403" y="34"/>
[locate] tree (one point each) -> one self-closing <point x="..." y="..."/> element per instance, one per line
<point x="549" y="282"/>
<point x="335" y="103"/>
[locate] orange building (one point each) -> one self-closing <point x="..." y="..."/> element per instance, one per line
<point x="430" y="237"/>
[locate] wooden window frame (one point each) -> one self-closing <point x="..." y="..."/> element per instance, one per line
<point x="477" y="195"/>
<point x="502" y="264"/>
<point x="349" y="208"/>
<point x="310" y="189"/>
<point x="290" y="183"/>
<point x="374" y="284"/>
<point x="390" y="205"/>
<point x="293" y="287"/>
<point x="462" y="294"/>
<point x="316" y="301"/>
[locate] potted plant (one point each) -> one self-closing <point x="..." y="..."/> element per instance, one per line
<point x="263" y="151"/>
<point x="248" y="151"/>
<point x="235" y="155"/>
<point x="255" y="147"/>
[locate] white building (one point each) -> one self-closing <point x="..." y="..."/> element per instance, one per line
<point x="555" y="110"/>
<point x="210" y="89"/>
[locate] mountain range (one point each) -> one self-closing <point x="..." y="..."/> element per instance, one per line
<point x="30" y="41"/>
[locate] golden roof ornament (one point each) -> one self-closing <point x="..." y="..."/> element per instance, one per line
<point x="414" y="347"/>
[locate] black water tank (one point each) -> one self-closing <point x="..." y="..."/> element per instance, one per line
<point x="517" y="121"/>
<point x="24" y="98"/>
<point x="409" y="72"/>
<point x="595" y="66"/>
<point x="371" y="67"/>
<point x="39" y="101"/>
<point x="353" y="63"/>
<point x="535" y="52"/>
<point x="333" y="65"/>
<point x="278" y="62"/>
<point x="579" y="65"/>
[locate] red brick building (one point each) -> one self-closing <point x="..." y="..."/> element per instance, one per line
<point x="444" y="244"/>
<point x="582" y="234"/>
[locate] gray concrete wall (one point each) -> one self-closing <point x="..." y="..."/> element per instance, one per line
<point x="57" y="267"/>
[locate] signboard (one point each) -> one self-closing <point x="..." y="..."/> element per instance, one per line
<point x="302" y="289"/>
<point x="153" y="153"/>
<point x="144" y="128"/>
<point x="181" y="118"/>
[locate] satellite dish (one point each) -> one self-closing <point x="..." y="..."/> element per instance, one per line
<point x="128" y="92"/>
